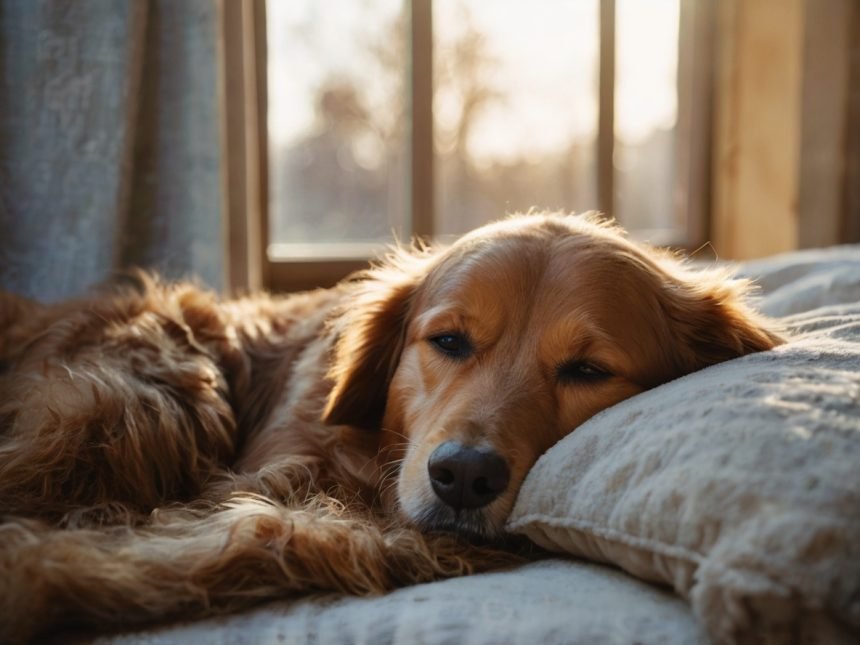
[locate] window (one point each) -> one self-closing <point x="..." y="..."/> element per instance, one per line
<point x="515" y="108"/>
<point x="392" y="118"/>
<point x="338" y="127"/>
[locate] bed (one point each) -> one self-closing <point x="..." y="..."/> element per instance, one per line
<point x="721" y="507"/>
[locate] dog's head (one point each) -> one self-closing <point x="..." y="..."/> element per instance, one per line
<point x="475" y="359"/>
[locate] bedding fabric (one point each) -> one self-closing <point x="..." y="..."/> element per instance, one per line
<point x="553" y="601"/>
<point x="738" y="485"/>
<point x="806" y="280"/>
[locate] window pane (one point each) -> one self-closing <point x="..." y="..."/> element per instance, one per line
<point x="646" y="110"/>
<point x="337" y="126"/>
<point x="515" y="107"/>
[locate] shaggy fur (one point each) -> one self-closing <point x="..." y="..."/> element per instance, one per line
<point x="165" y="453"/>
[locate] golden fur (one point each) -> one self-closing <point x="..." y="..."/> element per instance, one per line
<point x="165" y="453"/>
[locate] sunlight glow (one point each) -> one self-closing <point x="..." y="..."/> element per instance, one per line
<point x="532" y="48"/>
<point x="310" y="42"/>
<point x="543" y="63"/>
<point x="646" y="43"/>
<point x="515" y="113"/>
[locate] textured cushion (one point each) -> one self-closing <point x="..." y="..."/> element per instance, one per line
<point x="805" y="280"/>
<point x="545" y="602"/>
<point x="739" y="486"/>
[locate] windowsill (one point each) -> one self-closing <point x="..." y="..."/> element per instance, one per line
<point x="324" y="251"/>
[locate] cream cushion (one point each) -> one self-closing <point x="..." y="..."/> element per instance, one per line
<point x="739" y="486"/>
<point x="548" y="602"/>
<point x="805" y="280"/>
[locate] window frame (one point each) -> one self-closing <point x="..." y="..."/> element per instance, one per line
<point x="245" y="137"/>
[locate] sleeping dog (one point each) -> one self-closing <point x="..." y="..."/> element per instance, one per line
<point x="165" y="452"/>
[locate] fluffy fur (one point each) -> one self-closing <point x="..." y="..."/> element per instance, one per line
<point x="166" y="453"/>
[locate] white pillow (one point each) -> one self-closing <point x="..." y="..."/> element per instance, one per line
<point x="739" y="486"/>
<point x="803" y="280"/>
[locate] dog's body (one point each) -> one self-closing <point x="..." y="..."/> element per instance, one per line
<point x="163" y="452"/>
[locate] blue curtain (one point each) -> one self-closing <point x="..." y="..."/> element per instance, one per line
<point x="110" y="152"/>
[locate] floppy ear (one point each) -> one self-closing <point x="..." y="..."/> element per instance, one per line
<point x="711" y="320"/>
<point x="371" y="331"/>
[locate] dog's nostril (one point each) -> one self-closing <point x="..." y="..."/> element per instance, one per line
<point x="443" y="476"/>
<point x="467" y="477"/>
<point x="481" y="486"/>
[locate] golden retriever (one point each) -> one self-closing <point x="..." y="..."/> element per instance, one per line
<point x="165" y="453"/>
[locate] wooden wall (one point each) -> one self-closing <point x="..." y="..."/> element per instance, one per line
<point x="781" y="122"/>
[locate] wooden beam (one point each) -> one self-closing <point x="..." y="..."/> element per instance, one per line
<point x="243" y="138"/>
<point x="695" y="97"/>
<point x="757" y="127"/>
<point x="301" y="275"/>
<point x="255" y="140"/>
<point x="824" y="114"/>
<point x="421" y="101"/>
<point x="850" y="231"/>
<point x="261" y="59"/>
<point x="606" y="111"/>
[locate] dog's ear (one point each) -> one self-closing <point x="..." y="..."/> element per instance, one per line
<point x="370" y="334"/>
<point x="710" y="319"/>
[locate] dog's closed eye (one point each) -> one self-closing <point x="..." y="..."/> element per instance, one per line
<point x="452" y="345"/>
<point x="581" y="372"/>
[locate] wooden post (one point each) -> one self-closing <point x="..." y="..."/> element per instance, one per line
<point x="421" y="101"/>
<point x="606" y="111"/>
<point x="243" y="140"/>
<point x="780" y="130"/>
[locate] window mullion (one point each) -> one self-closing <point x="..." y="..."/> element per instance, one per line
<point x="421" y="101"/>
<point x="606" y="111"/>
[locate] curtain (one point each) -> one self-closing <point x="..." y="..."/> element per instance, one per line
<point x="110" y="152"/>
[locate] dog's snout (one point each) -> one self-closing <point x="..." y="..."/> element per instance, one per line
<point x="467" y="477"/>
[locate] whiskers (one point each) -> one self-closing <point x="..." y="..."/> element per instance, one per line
<point x="389" y="470"/>
<point x="471" y="525"/>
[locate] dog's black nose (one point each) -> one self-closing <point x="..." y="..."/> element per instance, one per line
<point x="466" y="477"/>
